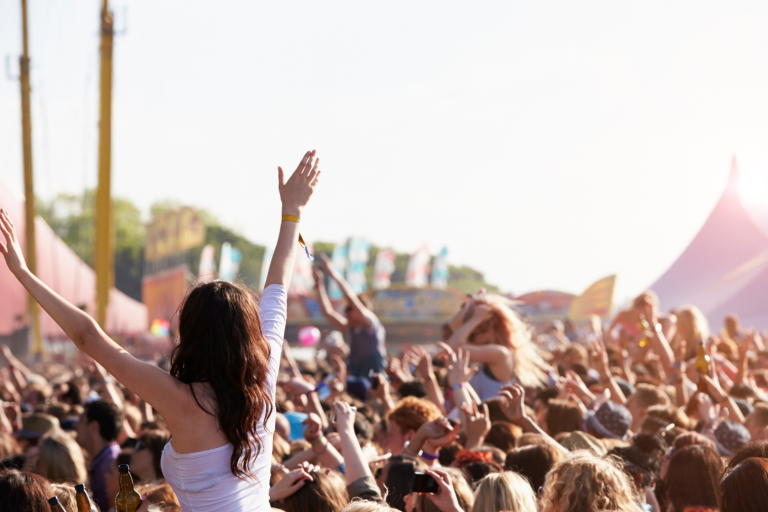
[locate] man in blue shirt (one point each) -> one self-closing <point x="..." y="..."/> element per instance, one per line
<point x="366" y="334"/>
<point x="97" y="429"/>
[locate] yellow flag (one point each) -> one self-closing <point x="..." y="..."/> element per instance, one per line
<point x="596" y="300"/>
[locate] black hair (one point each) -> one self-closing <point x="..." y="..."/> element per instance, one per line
<point x="363" y="427"/>
<point x="413" y="388"/>
<point x="108" y="416"/>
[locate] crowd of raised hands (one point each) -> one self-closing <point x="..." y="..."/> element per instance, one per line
<point x="630" y="413"/>
<point x="652" y="413"/>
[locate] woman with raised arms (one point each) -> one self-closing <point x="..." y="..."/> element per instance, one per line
<point x="219" y="396"/>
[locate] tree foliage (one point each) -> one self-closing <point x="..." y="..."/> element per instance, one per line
<point x="72" y="218"/>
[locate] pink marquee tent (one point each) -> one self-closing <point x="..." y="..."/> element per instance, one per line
<point x="61" y="269"/>
<point x="725" y="268"/>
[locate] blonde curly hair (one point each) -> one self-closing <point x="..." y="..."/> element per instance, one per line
<point x="585" y="483"/>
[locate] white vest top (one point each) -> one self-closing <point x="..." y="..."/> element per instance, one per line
<point x="203" y="481"/>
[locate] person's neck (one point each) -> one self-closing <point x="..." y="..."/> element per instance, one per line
<point x="98" y="445"/>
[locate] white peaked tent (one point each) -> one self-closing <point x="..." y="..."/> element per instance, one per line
<point x="725" y="268"/>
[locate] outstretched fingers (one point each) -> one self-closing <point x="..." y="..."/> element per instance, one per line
<point x="4" y="229"/>
<point x="313" y="171"/>
<point x="305" y="162"/>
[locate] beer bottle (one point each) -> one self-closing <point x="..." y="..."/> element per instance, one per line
<point x="82" y="499"/>
<point x="127" y="500"/>
<point x="55" y="505"/>
<point x="642" y="326"/>
<point x="702" y="366"/>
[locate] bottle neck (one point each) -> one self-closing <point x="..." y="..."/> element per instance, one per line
<point x="83" y="502"/>
<point x="126" y="482"/>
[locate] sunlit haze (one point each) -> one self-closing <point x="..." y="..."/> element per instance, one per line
<point x="545" y="144"/>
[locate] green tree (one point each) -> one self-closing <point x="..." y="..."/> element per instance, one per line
<point x="71" y="217"/>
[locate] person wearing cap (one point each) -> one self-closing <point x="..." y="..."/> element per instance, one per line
<point x="729" y="436"/>
<point x="97" y="431"/>
<point x="611" y="420"/>
<point x="33" y="427"/>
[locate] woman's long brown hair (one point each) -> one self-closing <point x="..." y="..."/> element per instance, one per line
<point x="221" y="343"/>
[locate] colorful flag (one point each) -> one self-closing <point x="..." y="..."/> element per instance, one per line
<point x="207" y="270"/>
<point x="268" y="252"/>
<point x="302" y="282"/>
<point x="382" y="270"/>
<point x="229" y="262"/>
<point x="418" y="268"/>
<point x="440" y="270"/>
<point x="358" y="259"/>
<point x="596" y="300"/>
<point x="339" y="259"/>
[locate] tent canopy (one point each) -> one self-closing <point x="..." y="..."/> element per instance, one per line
<point x="725" y="268"/>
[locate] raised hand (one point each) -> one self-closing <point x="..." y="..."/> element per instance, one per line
<point x="424" y="365"/>
<point x="476" y="423"/>
<point x="460" y="372"/>
<point x="437" y="433"/>
<point x="326" y="264"/>
<point x="11" y="250"/>
<point x="600" y="358"/>
<point x="445" y="500"/>
<point x="482" y="313"/>
<point x="513" y="404"/>
<point x="289" y="484"/>
<point x="295" y="192"/>
<point x="398" y="371"/>
<point x="575" y="385"/>
<point x="313" y="426"/>
<point x="339" y="383"/>
<point x="317" y="275"/>
<point x="345" y="416"/>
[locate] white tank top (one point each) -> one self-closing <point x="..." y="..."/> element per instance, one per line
<point x="203" y="481"/>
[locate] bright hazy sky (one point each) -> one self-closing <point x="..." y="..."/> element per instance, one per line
<point x="548" y="144"/>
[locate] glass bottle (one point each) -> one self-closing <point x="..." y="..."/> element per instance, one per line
<point x="55" y="505"/>
<point x="84" y="503"/>
<point x="642" y="326"/>
<point x="127" y="500"/>
<point x="702" y="366"/>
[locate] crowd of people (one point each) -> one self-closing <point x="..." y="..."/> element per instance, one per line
<point x="649" y="413"/>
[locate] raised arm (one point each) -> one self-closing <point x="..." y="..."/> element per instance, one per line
<point x="294" y="194"/>
<point x="336" y="320"/>
<point x="513" y="405"/>
<point x="151" y="383"/>
<point x="347" y="291"/>
<point x="355" y="463"/>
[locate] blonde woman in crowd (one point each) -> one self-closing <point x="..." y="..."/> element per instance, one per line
<point x="60" y="459"/>
<point x="496" y="337"/>
<point x="504" y="491"/>
<point x="585" y="483"/>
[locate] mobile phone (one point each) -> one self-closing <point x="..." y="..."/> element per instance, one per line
<point x="422" y="482"/>
<point x="373" y="379"/>
<point x="323" y="390"/>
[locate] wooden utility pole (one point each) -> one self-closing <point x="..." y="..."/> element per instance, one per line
<point x="104" y="257"/>
<point x="29" y="184"/>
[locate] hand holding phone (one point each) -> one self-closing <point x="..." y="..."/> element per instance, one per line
<point x="423" y="482"/>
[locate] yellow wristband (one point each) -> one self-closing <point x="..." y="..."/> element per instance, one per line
<point x="292" y="218"/>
